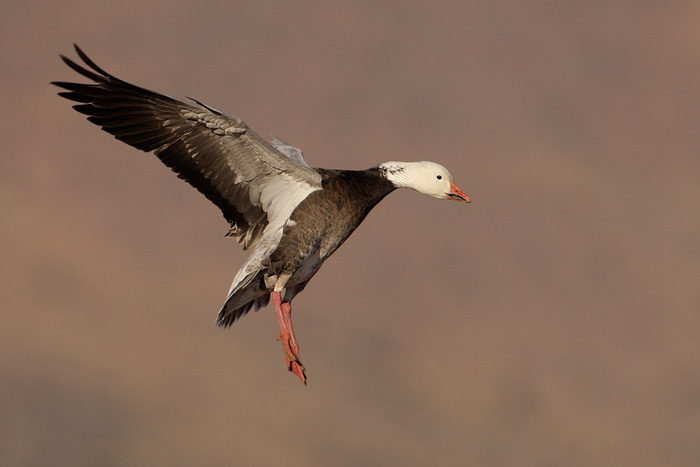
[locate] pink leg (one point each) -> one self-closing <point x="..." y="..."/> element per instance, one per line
<point x="289" y="341"/>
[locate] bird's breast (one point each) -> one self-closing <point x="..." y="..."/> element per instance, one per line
<point x="325" y="219"/>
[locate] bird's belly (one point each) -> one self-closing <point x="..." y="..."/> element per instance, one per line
<point x="308" y="268"/>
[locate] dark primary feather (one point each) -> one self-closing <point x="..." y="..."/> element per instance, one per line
<point x="215" y="152"/>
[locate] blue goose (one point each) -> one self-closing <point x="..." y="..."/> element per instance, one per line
<point x="290" y="216"/>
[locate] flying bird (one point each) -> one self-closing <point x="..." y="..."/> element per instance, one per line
<point x="290" y="216"/>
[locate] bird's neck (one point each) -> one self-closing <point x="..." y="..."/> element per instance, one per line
<point x="397" y="173"/>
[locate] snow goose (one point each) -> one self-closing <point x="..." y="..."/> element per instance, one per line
<point x="291" y="216"/>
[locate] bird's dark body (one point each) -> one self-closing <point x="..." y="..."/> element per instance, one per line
<point x="316" y="228"/>
<point x="327" y="217"/>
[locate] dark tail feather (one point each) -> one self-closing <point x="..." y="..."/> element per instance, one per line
<point x="228" y="316"/>
<point x="250" y="294"/>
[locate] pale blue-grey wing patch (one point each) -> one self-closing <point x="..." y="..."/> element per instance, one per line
<point x="288" y="150"/>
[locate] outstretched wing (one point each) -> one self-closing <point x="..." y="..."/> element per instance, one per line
<point x="252" y="183"/>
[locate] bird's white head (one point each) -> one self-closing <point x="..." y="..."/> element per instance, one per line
<point x="426" y="177"/>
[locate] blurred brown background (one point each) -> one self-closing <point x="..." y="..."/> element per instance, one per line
<point x="554" y="321"/>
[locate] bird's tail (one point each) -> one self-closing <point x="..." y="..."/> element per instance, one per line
<point x="247" y="294"/>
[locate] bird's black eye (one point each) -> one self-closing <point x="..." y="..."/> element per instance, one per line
<point x="439" y="177"/>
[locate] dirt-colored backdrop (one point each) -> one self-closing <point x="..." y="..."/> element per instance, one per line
<point x="554" y="321"/>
